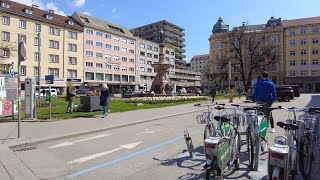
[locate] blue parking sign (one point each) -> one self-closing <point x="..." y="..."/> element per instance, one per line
<point x="49" y="79"/>
<point x="11" y="71"/>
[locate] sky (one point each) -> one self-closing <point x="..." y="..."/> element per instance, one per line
<point x="197" y="17"/>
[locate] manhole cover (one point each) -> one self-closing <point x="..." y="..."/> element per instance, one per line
<point x="26" y="148"/>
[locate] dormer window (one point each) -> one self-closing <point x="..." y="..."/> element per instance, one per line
<point x="48" y="16"/>
<point x="28" y="11"/>
<point x="5" y="5"/>
<point x="71" y="23"/>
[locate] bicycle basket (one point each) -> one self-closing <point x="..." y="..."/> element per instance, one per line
<point x="201" y="119"/>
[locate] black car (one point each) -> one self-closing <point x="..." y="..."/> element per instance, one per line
<point x="295" y="89"/>
<point x="283" y="94"/>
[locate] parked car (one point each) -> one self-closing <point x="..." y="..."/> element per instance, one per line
<point x="54" y="93"/>
<point x="295" y="89"/>
<point x="283" y="94"/>
<point x="139" y="91"/>
<point x="82" y="91"/>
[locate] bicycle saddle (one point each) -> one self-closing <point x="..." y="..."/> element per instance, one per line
<point x="236" y="105"/>
<point x="222" y="104"/>
<point x="222" y="118"/>
<point x="249" y="109"/>
<point x="219" y="107"/>
<point x="273" y="108"/>
<point x="287" y="126"/>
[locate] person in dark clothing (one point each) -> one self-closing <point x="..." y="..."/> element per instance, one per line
<point x="265" y="95"/>
<point x="104" y="99"/>
<point x="70" y="97"/>
<point x="213" y="93"/>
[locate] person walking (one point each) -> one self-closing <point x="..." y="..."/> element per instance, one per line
<point x="265" y="95"/>
<point x="213" y="92"/>
<point x="70" y="97"/>
<point x="104" y="99"/>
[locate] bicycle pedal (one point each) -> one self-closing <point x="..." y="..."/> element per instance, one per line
<point x="239" y="154"/>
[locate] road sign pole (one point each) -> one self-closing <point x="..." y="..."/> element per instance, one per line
<point x="21" y="57"/>
<point x="50" y="101"/>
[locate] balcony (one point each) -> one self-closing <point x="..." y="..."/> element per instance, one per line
<point x="180" y="56"/>
<point x="180" y="50"/>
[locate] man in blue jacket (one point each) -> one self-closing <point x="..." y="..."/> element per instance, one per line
<point x="265" y="94"/>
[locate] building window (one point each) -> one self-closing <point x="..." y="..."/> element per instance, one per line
<point x="72" y="35"/>
<point x="292" y="53"/>
<point x="218" y="44"/>
<point x="23" y="70"/>
<point x="99" y="44"/>
<point x="303" y="52"/>
<point x="116" y="38"/>
<point x="131" y="69"/>
<point x="98" y="65"/>
<point x="99" y="55"/>
<point x="131" y="60"/>
<point x="142" y="53"/>
<point x="89" y="53"/>
<point x="5" y="20"/>
<point x="303" y="31"/>
<point x="142" y="69"/>
<point x="303" y="62"/>
<point x="116" y="68"/>
<point x="149" y="55"/>
<point x="315" y="73"/>
<point x="124" y="40"/>
<point x="149" y="62"/>
<point x="5" y="53"/>
<point x="53" y="44"/>
<point x="156" y="56"/>
<point x="116" y="77"/>
<point x="116" y="48"/>
<point x="89" y="31"/>
<point x="124" y="59"/>
<point x="149" y="70"/>
<point x="292" y="32"/>
<point x="72" y="47"/>
<point x="36" y="56"/>
<point x="315" y="30"/>
<point x="48" y="16"/>
<point x="108" y="36"/>
<point x="89" y="42"/>
<point x="303" y="41"/>
<point x="72" y="73"/>
<point x="108" y="77"/>
<point x="72" y="60"/>
<point x="5" y="36"/>
<point x="156" y="49"/>
<point x="36" y="71"/>
<point x="131" y="51"/>
<point x="142" y="61"/>
<point x="54" y="72"/>
<point x="149" y="47"/>
<point x="142" y="46"/>
<point x="53" y="58"/>
<point x="99" y="34"/>
<point x="315" y="62"/>
<point x="131" y="42"/>
<point x="217" y="55"/>
<point x="36" y="41"/>
<point x="89" y="64"/>
<point x="124" y="68"/>
<point x="315" y="40"/>
<point x="108" y="66"/>
<point x="292" y="63"/>
<point x="54" y="31"/>
<point x="108" y="46"/>
<point x="303" y="73"/>
<point x="116" y="58"/>
<point x="37" y="27"/>
<point x="108" y="56"/>
<point x="274" y="39"/>
<point x="292" y="73"/>
<point x="5" y="5"/>
<point x="124" y="50"/>
<point x="314" y="51"/>
<point x="167" y="52"/>
<point x="89" y="76"/>
<point x="22" y="24"/>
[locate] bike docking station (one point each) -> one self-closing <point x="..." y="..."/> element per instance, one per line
<point x="189" y="143"/>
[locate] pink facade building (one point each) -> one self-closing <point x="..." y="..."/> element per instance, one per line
<point x="109" y="54"/>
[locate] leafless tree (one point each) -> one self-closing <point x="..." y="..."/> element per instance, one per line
<point x="9" y="47"/>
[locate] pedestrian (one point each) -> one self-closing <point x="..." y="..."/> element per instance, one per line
<point x="198" y="92"/>
<point x="70" y="97"/>
<point x="213" y="93"/>
<point x="104" y="99"/>
<point x="239" y="92"/>
<point x="265" y="95"/>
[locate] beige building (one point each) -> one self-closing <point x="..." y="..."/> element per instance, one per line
<point x="302" y="53"/>
<point x="61" y="43"/>
<point x="201" y="64"/>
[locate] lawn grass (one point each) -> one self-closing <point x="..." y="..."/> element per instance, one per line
<point x="59" y="106"/>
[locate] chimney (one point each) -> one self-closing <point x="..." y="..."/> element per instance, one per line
<point x="272" y="17"/>
<point x="51" y="11"/>
<point x="35" y="6"/>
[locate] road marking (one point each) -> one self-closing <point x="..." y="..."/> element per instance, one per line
<point x="125" y="157"/>
<point x="74" y="142"/>
<point x="94" y="156"/>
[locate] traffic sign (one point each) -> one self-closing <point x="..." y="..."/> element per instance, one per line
<point x="49" y="79"/>
<point x="11" y="71"/>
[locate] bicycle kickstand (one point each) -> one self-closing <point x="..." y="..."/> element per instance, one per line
<point x="189" y="143"/>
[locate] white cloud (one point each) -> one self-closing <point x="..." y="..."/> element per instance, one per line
<point x="55" y="8"/>
<point x="79" y="3"/>
<point x="30" y="2"/>
<point x="87" y="13"/>
<point x="114" y="10"/>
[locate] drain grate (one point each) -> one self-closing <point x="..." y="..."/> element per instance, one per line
<point x="23" y="149"/>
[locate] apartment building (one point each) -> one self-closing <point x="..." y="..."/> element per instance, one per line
<point x="302" y="53"/>
<point x="271" y="32"/>
<point x="61" y="42"/>
<point x="147" y="53"/>
<point x="109" y="53"/>
<point x="201" y="64"/>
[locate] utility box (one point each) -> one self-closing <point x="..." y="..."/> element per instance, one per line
<point x="30" y="98"/>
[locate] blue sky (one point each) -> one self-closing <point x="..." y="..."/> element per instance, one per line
<point x="197" y="17"/>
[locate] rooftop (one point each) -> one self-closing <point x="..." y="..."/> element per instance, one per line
<point x="161" y="22"/>
<point x="301" y="22"/>
<point x="201" y="57"/>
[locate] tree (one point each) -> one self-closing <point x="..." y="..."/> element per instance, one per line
<point x="9" y="47"/>
<point x="249" y="53"/>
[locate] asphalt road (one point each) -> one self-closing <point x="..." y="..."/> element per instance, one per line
<point x="152" y="150"/>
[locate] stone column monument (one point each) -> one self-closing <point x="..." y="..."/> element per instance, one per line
<point x="161" y="81"/>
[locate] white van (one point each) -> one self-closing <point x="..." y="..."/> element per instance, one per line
<point x="54" y="93"/>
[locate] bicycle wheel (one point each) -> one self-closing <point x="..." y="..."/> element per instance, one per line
<point x="251" y="147"/>
<point x="305" y="156"/>
<point x="208" y="174"/>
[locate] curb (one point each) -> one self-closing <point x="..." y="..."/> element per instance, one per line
<point x="81" y="133"/>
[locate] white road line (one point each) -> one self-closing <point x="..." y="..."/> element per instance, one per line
<point x="74" y="142"/>
<point x="94" y="156"/>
